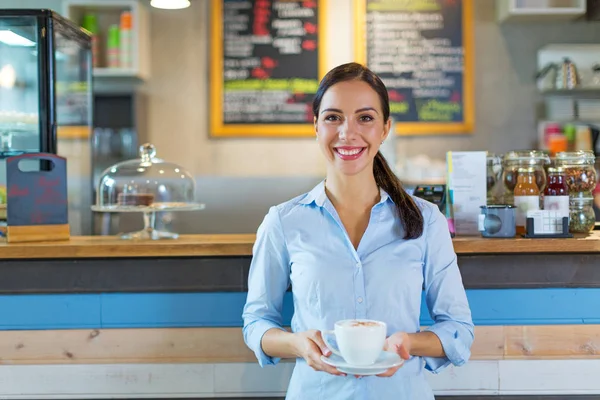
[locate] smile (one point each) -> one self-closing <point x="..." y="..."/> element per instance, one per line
<point x="349" y="153"/>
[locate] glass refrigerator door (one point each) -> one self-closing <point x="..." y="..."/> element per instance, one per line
<point x="73" y="94"/>
<point x="74" y="120"/>
<point x="19" y="83"/>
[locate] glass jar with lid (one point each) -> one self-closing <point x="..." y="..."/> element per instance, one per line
<point x="556" y="195"/>
<point x="582" y="218"/>
<point x="526" y="196"/>
<point x="493" y="175"/>
<point x="579" y="171"/>
<point x="147" y="185"/>
<point x="512" y="161"/>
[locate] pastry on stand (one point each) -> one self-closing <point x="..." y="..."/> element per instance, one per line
<point x="146" y="185"/>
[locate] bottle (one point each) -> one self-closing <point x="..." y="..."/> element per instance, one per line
<point x="557" y="144"/>
<point x="570" y="132"/>
<point x="526" y="197"/>
<point x="550" y="130"/>
<point x="90" y="23"/>
<point x="583" y="138"/>
<point x="112" y="46"/>
<point x="556" y="195"/>
<point x="125" y="38"/>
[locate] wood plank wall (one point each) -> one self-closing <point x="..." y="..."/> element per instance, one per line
<point x="224" y="345"/>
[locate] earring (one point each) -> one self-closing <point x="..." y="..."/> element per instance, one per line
<point x="317" y="138"/>
<point x="382" y="141"/>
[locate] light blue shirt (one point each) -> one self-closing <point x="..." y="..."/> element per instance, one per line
<point x="303" y="243"/>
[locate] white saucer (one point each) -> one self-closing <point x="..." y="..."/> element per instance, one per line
<point x="385" y="361"/>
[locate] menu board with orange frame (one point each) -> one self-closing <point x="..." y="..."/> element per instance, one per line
<point x="423" y="51"/>
<point x="267" y="59"/>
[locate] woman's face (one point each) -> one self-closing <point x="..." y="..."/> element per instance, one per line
<point x="350" y="126"/>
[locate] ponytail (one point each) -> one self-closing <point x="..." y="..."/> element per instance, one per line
<point x="408" y="211"/>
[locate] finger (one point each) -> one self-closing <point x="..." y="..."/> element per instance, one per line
<point x="386" y="345"/>
<point x="403" y="352"/>
<point x="330" y="370"/>
<point x="389" y="372"/>
<point x="318" y="339"/>
<point x="392" y="343"/>
<point x="319" y="365"/>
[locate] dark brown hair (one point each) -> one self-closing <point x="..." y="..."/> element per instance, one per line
<point x="408" y="211"/>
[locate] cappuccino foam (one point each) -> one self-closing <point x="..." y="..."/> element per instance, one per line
<point x="361" y="324"/>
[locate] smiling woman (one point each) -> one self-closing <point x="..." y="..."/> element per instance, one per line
<point x="353" y="85"/>
<point x="356" y="247"/>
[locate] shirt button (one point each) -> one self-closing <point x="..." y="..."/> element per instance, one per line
<point x="360" y="299"/>
<point x="358" y="265"/>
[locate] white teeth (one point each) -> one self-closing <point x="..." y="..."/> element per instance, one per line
<point x="345" y="152"/>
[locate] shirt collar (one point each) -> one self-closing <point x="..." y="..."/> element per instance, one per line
<point x="318" y="196"/>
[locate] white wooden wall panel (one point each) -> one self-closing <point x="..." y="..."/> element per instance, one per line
<point x="122" y="380"/>
<point x="239" y="379"/>
<point x="477" y="377"/>
<point x="550" y="377"/>
<point x="246" y="378"/>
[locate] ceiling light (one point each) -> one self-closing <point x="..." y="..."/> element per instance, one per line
<point x="12" y="39"/>
<point x="170" y="4"/>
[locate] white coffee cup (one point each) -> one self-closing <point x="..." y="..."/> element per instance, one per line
<point x="360" y="341"/>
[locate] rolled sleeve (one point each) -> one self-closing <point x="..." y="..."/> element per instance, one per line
<point x="456" y="343"/>
<point x="268" y="281"/>
<point x="253" y="334"/>
<point x="446" y="298"/>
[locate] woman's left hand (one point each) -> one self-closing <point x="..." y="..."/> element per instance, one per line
<point x="398" y="343"/>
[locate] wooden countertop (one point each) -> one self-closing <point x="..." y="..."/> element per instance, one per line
<point x="110" y="246"/>
<point x="479" y="245"/>
<point x="241" y="245"/>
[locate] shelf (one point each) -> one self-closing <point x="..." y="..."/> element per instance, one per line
<point x="576" y="121"/>
<point x="539" y="10"/>
<point x="73" y="132"/>
<point x="115" y="73"/>
<point x="6" y="154"/>
<point x="108" y="12"/>
<point x="583" y="91"/>
<point x="584" y="56"/>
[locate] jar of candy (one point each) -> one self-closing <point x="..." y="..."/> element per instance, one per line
<point x="581" y="215"/>
<point x="579" y="171"/>
<point x="512" y="161"/>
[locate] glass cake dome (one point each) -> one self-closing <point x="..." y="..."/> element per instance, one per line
<point x="148" y="185"/>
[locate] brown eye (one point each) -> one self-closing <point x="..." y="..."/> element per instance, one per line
<point x="332" y="117"/>
<point x="366" y="118"/>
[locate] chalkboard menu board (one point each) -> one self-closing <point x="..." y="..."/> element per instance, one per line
<point x="266" y="64"/>
<point x="423" y="51"/>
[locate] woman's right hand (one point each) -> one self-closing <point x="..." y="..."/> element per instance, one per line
<point x="310" y="346"/>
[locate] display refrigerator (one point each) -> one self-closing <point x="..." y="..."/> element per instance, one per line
<point x="46" y="99"/>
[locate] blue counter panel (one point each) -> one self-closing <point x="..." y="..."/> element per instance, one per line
<point x="50" y="311"/>
<point x="143" y="310"/>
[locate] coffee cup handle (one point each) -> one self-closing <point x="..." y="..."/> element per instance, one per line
<point x="324" y="335"/>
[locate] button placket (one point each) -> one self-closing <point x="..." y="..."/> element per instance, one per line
<point x="360" y="297"/>
<point x="359" y="293"/>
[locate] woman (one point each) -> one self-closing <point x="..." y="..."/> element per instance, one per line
<point x="356" y="247"/>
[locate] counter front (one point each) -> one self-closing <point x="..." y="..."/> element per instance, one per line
<point x="87" y="300"/>
<point x="217" y="263"/>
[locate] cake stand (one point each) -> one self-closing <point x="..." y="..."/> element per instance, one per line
<point x="149" y="214"/>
